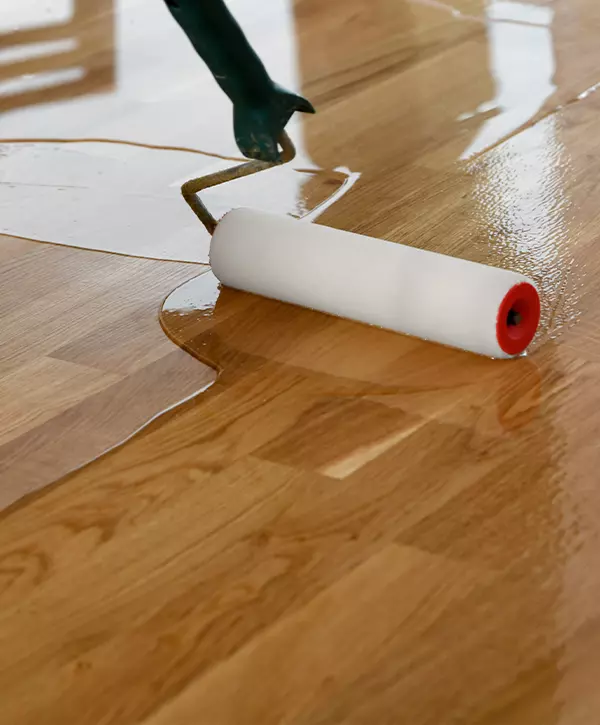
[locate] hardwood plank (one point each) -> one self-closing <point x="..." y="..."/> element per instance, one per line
<point x="93" y="424"/>
<point x="83" y="361"/>
<point x="322" y="671"/>
<point x="46" y="388"/>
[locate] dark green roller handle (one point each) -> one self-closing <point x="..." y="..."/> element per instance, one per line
<point x="261" y="108"/>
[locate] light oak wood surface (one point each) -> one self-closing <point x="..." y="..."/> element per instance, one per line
<point x="347" y="525"/>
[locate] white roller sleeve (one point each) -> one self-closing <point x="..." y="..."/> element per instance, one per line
<point x="432" y="296"/>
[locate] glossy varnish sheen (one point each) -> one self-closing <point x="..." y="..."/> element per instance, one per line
<point x="347" y="526"/>
<point x="78" y="334"/>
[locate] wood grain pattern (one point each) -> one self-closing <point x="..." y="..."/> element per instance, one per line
<point x="349" y="526"/>
<point x="79" y="337"/>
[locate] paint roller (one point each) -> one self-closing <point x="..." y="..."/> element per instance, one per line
<point x="433" y="296"/>
<point x="429" y="295"/>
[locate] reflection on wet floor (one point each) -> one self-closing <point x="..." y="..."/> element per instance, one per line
<point x="126" y="199"/>
<point x="522" y="63"/>
<point x="37" y="14"/>
<point x="43" y="57"/>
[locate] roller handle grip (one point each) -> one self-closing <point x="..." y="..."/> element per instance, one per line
<point x="261" y="108"/>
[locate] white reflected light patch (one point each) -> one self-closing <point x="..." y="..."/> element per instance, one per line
<point x="29" y="51"/>
<point x="522" y="63"/>
<point x="27" y="14"/>
<point x="38" y="81"/>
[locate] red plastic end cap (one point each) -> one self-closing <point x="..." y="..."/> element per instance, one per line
<point x="518" y="318"/>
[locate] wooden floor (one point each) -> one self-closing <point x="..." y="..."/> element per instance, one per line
<point x="319" y="522"/>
